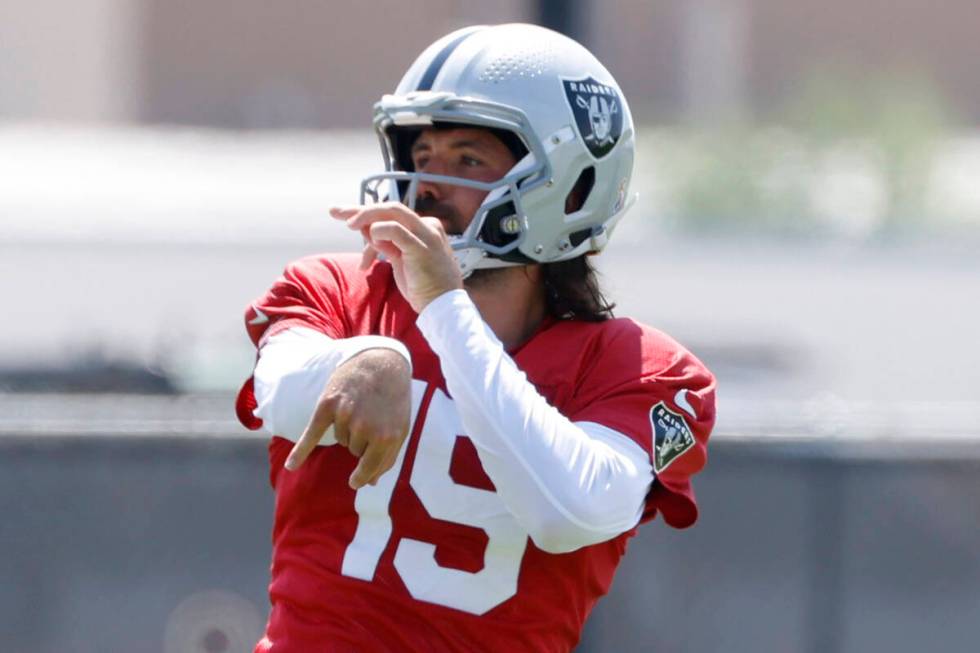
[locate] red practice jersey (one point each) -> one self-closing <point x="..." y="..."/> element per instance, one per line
<point x="430" y="559"/>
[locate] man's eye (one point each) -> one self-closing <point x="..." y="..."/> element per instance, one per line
<point x="421" y="162"/>
<point x="470" y="162"/>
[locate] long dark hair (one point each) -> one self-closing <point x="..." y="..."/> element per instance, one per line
<point x="572" y="291"/>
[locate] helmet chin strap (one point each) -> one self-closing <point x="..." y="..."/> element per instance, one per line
<point x="471" y="259"/>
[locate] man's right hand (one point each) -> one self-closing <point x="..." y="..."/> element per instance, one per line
<point x="368" y="402"/>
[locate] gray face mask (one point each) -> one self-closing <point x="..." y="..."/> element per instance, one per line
<point x="499" y="227"/>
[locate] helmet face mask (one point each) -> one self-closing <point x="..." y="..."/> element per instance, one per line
<point x="419" y="110"/>
<point x="562" y="106"/>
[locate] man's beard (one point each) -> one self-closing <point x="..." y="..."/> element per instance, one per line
<point x="429" y="206"/>
<point x="483" y="278"/>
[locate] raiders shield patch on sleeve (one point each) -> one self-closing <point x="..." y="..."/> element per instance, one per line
<point x="671" y="436"/>
<point x="598" y="113"/>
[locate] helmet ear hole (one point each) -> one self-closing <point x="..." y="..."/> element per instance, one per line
<point x="576" y="197"/>
<point x="493" y="231"/>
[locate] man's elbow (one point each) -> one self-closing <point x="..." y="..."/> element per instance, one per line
<point x="567" y="533"/>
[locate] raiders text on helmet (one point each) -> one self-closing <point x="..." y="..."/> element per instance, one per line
<point x="558" y="108"/>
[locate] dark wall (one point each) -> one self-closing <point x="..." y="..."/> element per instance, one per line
<point x="807" y="555"/>
<point x="156" y="543"/>
<point x="103" y="538"/>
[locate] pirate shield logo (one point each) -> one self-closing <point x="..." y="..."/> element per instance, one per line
<point x="598" y="112"/>
<point x="672" y="436"/>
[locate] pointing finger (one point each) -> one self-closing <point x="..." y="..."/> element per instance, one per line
<point x="368" y="256"/>
<point x="369" y="465"/>
<point x="341" y="424"/>
<point x="321" y="419"/>
<point x="386" y="464"/>
<point x="397" y="234"/>
<point x="389" y="211"/>
<point x="344" y="212"/>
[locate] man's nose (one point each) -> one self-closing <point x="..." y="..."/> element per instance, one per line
<point x="430" y="190"/>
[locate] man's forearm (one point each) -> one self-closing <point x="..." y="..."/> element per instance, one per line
<point x="293" y="369"/>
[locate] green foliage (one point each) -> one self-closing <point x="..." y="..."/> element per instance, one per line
<point x="841" y="135"/>
<point x="735" y="178"/>
<point x="901" y="117"/>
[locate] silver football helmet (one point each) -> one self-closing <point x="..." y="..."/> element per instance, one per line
<point x="573" y="126"/>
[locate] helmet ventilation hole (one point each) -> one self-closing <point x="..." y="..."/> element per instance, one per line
<point x="577" y="197"/>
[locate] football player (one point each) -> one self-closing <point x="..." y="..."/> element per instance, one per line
<point x="463" y="438"/>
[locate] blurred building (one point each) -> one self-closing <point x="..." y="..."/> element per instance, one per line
<point x="310" y="63"/>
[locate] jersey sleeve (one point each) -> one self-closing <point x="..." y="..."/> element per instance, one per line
<point x="648" y="387"/>
<point x="309" y="293"/>
<point x="313" y="292"/>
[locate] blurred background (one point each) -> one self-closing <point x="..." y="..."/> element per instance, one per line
<point x="808" y="224"/>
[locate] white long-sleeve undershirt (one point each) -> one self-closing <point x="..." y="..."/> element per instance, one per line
<point x="568" y="484"/>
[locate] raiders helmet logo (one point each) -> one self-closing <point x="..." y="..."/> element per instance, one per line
<point x="672" y="436"/>
<point x="598" y="113"/>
